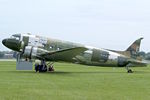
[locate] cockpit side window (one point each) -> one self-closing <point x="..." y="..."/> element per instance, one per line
<point x="16" y="36"/>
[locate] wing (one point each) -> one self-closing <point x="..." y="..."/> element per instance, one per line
<point x="63" y="55"/>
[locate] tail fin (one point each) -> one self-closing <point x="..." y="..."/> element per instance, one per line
<point x="133" y="50"/>
<point x="135" y="47"/>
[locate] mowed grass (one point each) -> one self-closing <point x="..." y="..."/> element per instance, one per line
<point x="74" y="82"/>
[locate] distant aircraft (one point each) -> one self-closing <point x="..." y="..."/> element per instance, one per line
<point x="46" y="49"/>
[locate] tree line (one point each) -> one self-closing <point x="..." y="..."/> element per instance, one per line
<point x="145" y="55"/>
<point x="3" y="53"/>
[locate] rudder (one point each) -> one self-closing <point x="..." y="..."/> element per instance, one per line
<point x="135" y="48"/>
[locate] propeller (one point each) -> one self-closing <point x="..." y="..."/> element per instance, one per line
<point x="18" y="55"/>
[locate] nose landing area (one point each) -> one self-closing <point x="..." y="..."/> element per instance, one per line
<point x="4" y="41"/>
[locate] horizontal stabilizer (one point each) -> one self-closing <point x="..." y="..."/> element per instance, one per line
<point x="134" y="62"/>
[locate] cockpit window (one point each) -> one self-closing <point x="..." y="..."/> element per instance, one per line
<point x="16" y="36"/>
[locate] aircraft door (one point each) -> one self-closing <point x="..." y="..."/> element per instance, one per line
<point x="99" y="56"/>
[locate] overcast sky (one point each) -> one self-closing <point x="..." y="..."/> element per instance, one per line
<point x="112" y="24"/>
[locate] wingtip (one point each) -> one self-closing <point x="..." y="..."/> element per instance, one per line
<point x="142" y="38"/>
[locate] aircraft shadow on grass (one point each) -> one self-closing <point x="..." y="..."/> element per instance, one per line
<point x="63" y="72"/>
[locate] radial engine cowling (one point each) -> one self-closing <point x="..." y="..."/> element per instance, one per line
<point x="32" y="52"/>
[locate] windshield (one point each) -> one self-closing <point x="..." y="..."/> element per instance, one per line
<point x="16" y="36"/>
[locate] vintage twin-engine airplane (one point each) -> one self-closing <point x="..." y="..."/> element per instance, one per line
<point x="47" y="49"/>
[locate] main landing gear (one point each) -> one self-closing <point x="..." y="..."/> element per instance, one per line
<point x="41" y="66"/>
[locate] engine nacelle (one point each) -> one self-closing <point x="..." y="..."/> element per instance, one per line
<point x="32" y="52"/>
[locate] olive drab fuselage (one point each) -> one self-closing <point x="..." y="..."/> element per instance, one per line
<point x="33" y="46"/>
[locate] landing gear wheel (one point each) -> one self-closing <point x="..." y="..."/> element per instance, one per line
<point x="127" y="67"/>
<point x="130" y="71"/>
<point x="50" y="68"/>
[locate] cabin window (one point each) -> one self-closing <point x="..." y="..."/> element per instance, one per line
<point x="16" y="36"/>
<point x="58" y="48"/>
<point x="51" y="47"/>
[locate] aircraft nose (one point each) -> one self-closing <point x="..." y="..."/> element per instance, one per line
<point x="4" y="41"/>
<point x="11" y="44"/>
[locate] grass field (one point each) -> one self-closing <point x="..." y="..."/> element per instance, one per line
<point x="74" y="82"/>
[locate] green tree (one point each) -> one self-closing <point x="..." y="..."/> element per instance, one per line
<point x="1" y="54"/>
<point x="142" y="54"/>
<point x="148" y="56"/>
